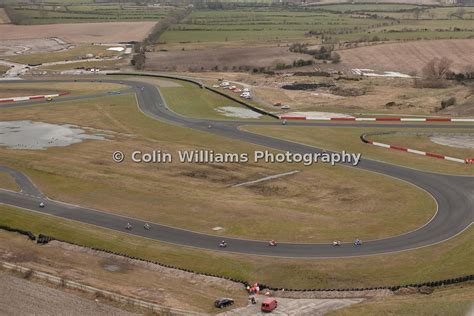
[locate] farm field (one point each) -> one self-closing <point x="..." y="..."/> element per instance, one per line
<point x="329" y="23"/>
<point x="60" y="12"/>
<point x="180" y="191"/>
<point x="407" y="57"/>
<point x="80" y="33"/>
<point x="222" y="58"/>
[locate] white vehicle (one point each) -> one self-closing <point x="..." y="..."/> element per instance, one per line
<point x="246" y="90"/>
<point x="246" y="95"/>
<point x="225" y="84"/>
<point x="285" y="107"/>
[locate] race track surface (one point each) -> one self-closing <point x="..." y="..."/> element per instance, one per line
<point x="454" y="194"/>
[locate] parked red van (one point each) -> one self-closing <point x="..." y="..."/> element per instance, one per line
<point x="269" y="304"/>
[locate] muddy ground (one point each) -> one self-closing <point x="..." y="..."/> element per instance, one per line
<point x="19" y="296"/>
<point x="31" y="46"/>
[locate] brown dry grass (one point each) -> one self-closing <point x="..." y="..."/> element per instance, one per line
<point x="110" y="32"/>
<point x="409" y="56"/>
<point x="175" y="193"/>
<point x="378" y="92"/>
<point x="152" y="283"/>
<point x="40" y="88"/>
<point x="7" y="182"/>
<point x="441" y="261"/>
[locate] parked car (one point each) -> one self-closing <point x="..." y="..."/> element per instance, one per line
<point x="277" y="104"/>
<point x="269" y="304"/>
<point x="285" y="107"/>
<point x="223" y="302"/>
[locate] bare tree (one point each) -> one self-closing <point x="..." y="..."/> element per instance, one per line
<point x="437" y="69"/>
<point x="434" y="73"/>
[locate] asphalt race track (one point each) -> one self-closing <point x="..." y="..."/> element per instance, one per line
<point x="454" y="194"/>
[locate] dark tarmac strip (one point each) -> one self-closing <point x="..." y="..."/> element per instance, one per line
<point x="454" y="194"/>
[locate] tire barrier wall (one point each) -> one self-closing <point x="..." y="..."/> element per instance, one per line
<point x="202" y="86"/>
<point x="364" y="138"/>
<point x="33" y="97"/>
<point x="45" y="239"/>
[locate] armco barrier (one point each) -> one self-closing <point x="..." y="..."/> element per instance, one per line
<point x="202" y="86"/>
<point x="364" y="139"/>
<point x="377" y="119"/>
<point x="33" y="97"/>
<point x="438" y="283"/>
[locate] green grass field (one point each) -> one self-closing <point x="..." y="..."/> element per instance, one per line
<point x="358" y="22"/>
<point x="347" y="138"/>
<point x="68" y="12"/>
<point x="446" y="260"/>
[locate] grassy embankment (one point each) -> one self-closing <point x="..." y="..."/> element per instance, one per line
<point x="450" y="300"/>
<point x="449" y="259"/>
<point x="119" y="275"/>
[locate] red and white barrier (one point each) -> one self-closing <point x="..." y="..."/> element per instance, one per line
<point x="381" y="119"/>
<point x="33" y="97"/>
<point x="422" y="153"/>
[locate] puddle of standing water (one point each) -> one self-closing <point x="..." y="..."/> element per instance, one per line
<point x="39" y="135"/>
